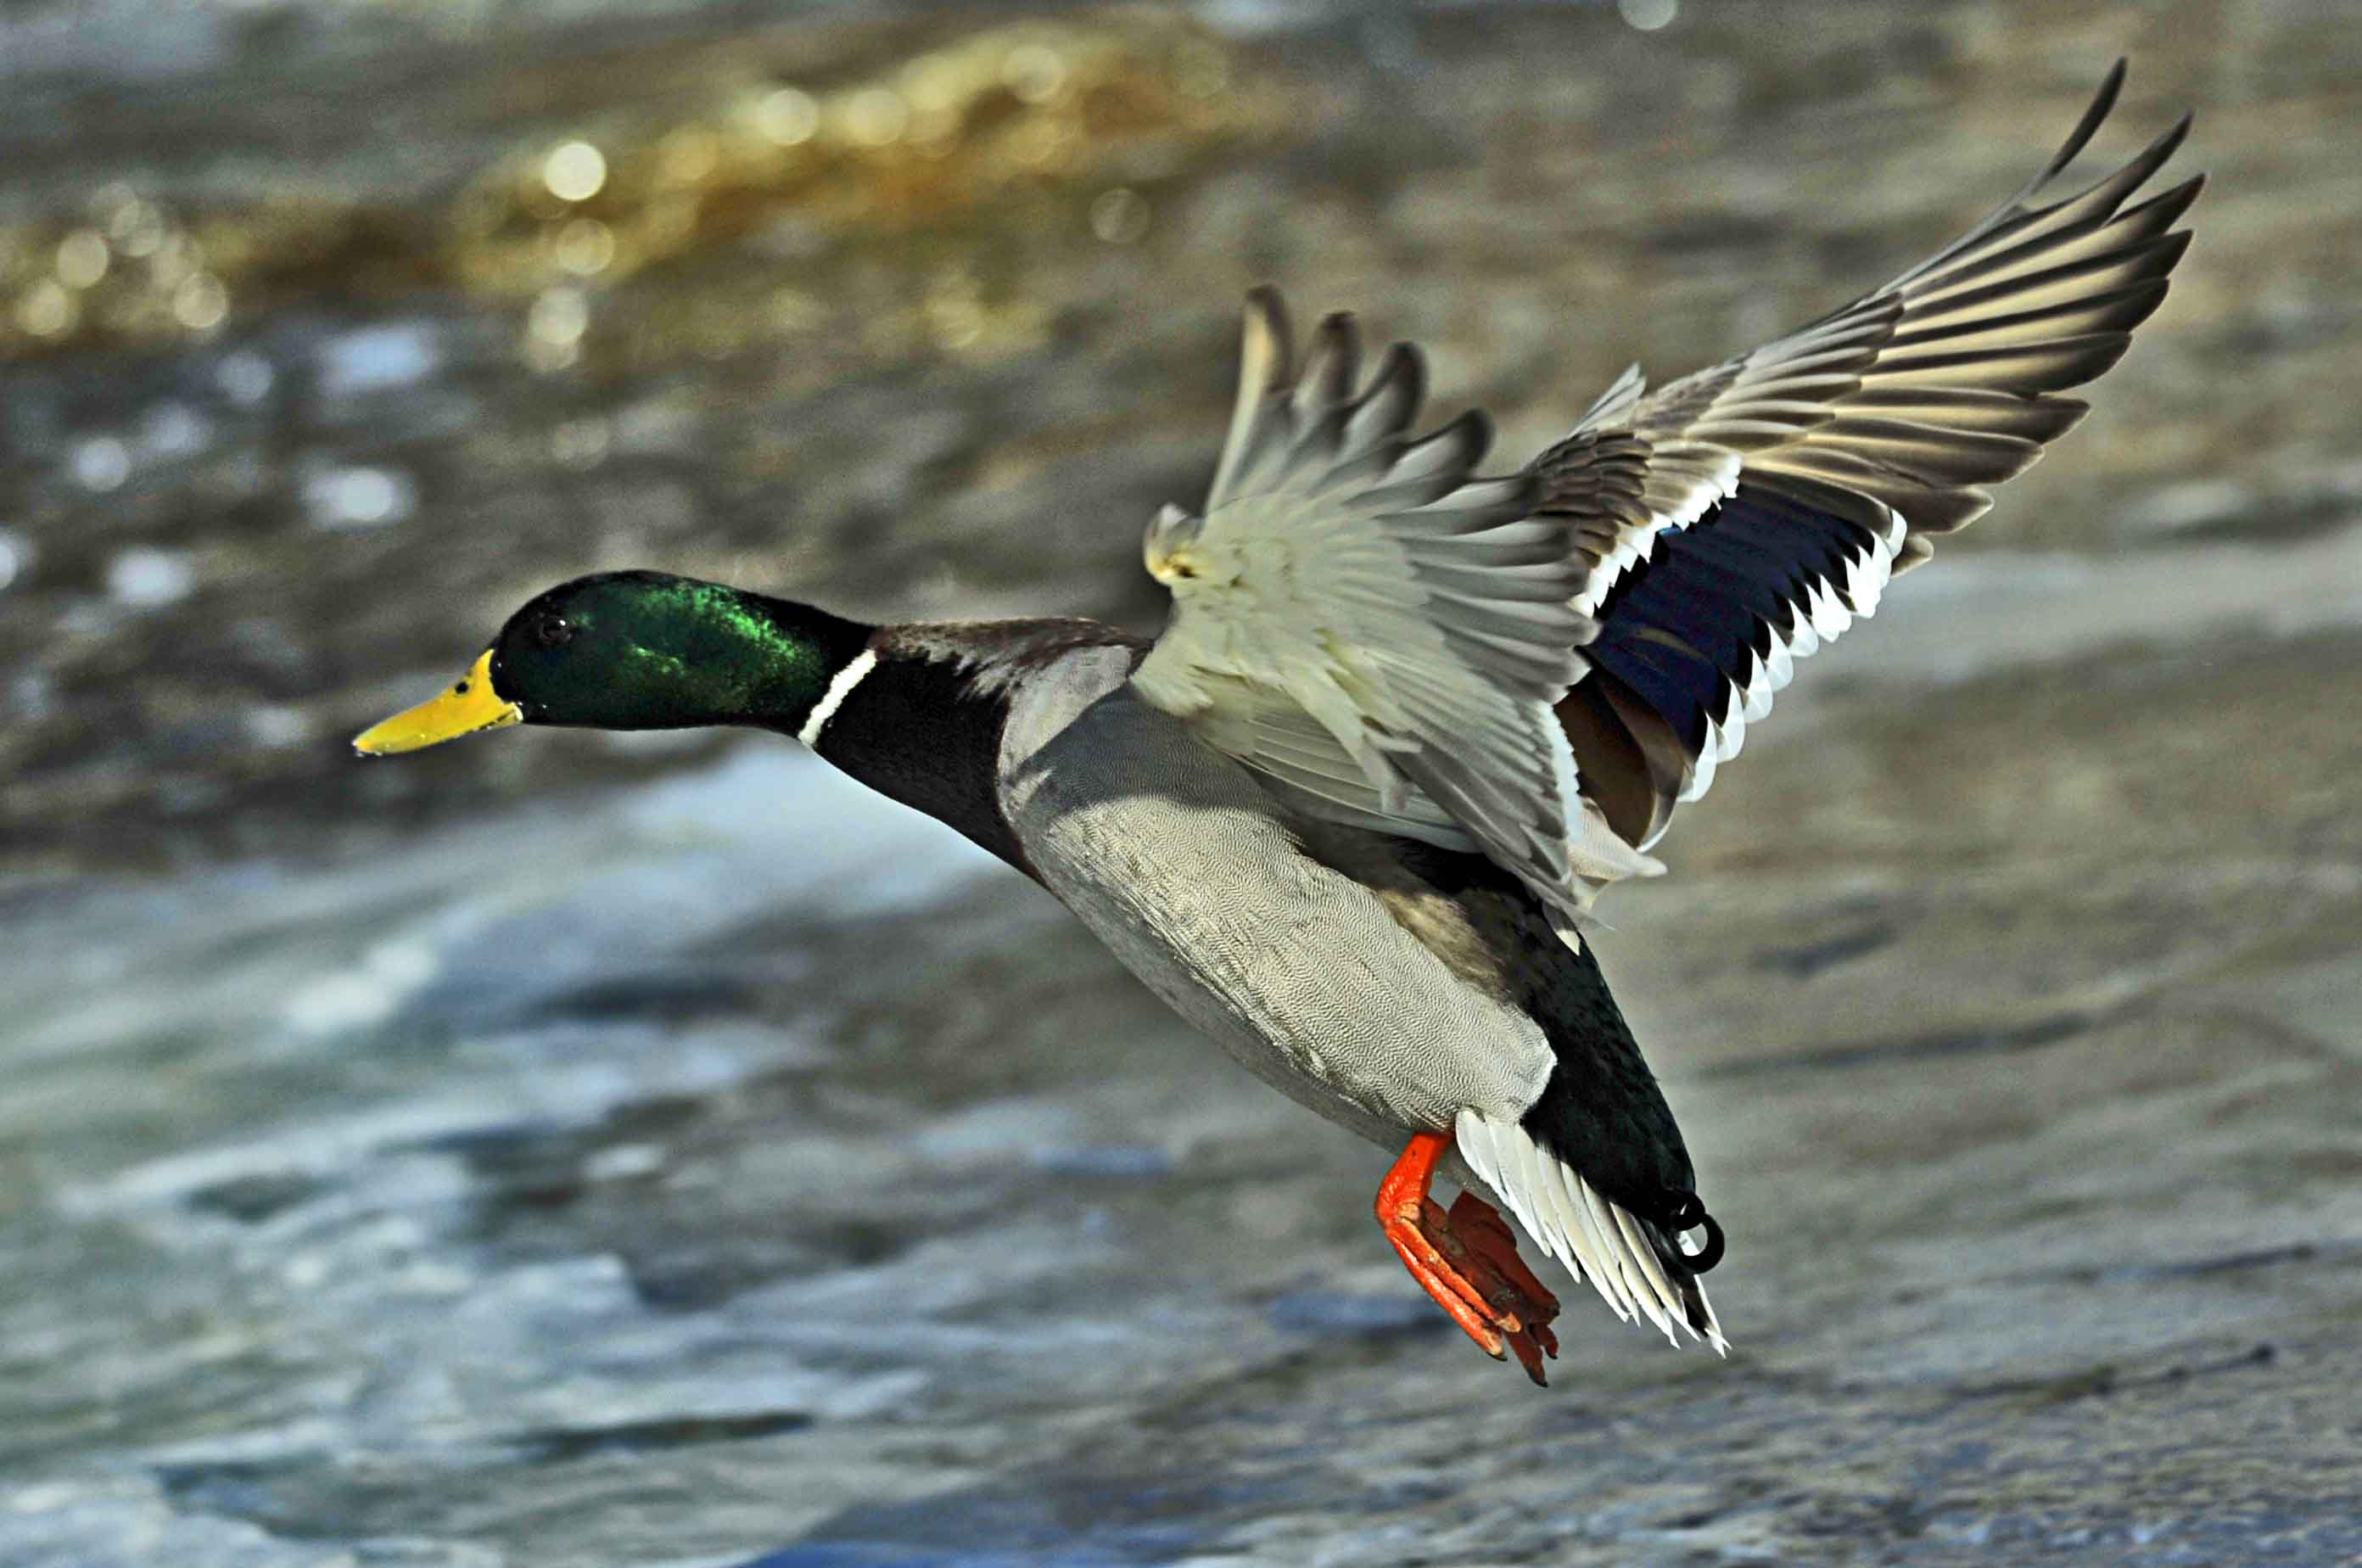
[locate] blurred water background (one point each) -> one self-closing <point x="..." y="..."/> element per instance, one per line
<point x="566" y="1149"/>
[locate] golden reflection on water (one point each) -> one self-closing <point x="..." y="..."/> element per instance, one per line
<point x="118" y="267"/>
<point x="925" y="152"/>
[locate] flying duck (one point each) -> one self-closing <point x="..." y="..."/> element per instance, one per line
<point x="1349" y="813"/>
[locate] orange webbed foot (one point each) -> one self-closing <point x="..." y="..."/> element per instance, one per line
<point x="1467" y="1260"/>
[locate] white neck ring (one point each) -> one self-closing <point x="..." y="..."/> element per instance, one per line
<point x="840" y="687"/>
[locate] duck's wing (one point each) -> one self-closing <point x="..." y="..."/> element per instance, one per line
<point x="1363" y="620"/>
<point x="1736" y="518"/>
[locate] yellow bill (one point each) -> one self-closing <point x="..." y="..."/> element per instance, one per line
<point x="469" y="705"/>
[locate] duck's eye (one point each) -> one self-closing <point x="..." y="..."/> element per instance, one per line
<point x="552" y="632"/>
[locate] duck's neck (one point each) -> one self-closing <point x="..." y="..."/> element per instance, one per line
<point x="918" y="717"/>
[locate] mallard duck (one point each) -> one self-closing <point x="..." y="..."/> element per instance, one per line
<point x="1349" y="813"/>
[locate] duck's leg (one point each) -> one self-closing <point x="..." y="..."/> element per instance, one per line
<point x="1467" y="1260"/>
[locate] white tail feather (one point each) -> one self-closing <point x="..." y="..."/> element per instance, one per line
<point x="1668" y="1310"/>
<point x="1598" y="1241"/>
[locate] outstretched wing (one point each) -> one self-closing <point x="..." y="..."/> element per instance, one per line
<point x="1734" y="520"/>
<point x="1374" y="628"/>
<point x="1542" y="666"/>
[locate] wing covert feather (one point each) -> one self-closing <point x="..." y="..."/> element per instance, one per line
<point x="1360" y="615"/>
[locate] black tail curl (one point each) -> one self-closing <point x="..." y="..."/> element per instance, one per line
<point x="1683" y="1213"/>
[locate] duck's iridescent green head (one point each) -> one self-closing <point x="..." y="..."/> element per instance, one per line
<point x="638" y="650"/>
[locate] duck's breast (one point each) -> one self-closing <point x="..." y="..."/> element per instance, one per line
<point x="1180" y="861"/>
